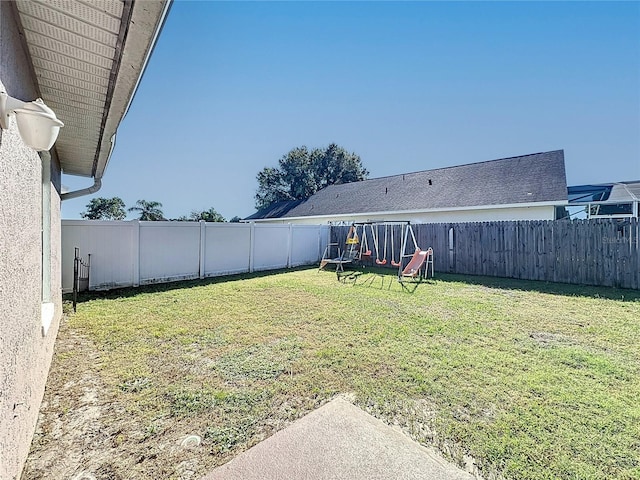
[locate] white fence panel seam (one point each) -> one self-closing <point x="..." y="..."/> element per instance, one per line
<point x="133" y="253"/>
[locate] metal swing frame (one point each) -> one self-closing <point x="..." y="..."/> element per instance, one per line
<point x="417" y="259"/>
<point x="411" y="265"/>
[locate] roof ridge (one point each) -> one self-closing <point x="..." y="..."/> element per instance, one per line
<point x="449" y="167"/>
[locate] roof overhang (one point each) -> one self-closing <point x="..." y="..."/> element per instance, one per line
<point x="88" y="59"/>
<point x="411" y="212"/>
<point x="617" y="192"/>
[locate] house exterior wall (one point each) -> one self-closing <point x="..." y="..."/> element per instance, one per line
<point x="535" y="212"/>
<point x="25" y="351"/>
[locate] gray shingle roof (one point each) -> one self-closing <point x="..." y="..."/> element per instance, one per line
<point x="275" y="210"/>
<point x="538" y="177"/>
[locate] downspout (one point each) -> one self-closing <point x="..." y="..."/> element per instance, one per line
<point x="47" y="307"/>
<point x="97" y="183"/>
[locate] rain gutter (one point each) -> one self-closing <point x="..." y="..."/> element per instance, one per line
<point x="128" y="11"/>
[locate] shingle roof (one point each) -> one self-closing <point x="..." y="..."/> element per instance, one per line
<point x="538" y="177"/>
<point x="275" y="210"/>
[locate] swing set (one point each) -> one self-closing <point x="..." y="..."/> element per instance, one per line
<point x="353" y="250"/>
<point x="411" y="264"/>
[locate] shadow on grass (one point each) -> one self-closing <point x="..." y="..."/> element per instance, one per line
<point x="564" y="289"/>
<point x="366" y="276"/>
<point x="127" y="292"/>
<point x="382" y="278"/>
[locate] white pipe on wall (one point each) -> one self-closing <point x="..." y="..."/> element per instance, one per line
<point x="48" y="307"/>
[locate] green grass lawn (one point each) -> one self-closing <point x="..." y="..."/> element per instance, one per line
<point x="530" y="380"/>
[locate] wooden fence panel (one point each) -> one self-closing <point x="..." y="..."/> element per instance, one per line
<point x="590" y="252"/>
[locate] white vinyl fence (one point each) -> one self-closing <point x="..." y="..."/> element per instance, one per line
<point x="133" y="253"/>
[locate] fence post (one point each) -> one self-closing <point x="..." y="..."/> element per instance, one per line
<point x="203" y="243"/>
<point x="451" y="235"/>
<point x="88" y="272"/>
<point x="289" y="245"/>
<point x="637" y="249"/>
<point x="252" y="241"/>
<point x="76" y="255"/>
<point x="135" y="240"/>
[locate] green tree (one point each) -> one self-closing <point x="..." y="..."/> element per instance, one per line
<point x="207" y="215"/>
<point x="235" y="219"/>
<point x="105" y="209"/>
<point x="271" y="187"/>
<point x="149" y="211"/>
<point x="335" y="165"/>
<point x="301" y="173"/>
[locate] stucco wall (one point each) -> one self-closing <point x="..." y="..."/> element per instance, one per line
<point x="544" y="212"/>
<point x="25" y="353"/>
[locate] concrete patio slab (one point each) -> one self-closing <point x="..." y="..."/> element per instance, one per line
<point x="338" y="441"/>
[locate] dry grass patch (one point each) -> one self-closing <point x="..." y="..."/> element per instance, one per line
<point x="531" y="380"/>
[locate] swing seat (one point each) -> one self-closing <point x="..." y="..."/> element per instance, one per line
<point x="381" y="262"/>
<point x="352" y="236"/>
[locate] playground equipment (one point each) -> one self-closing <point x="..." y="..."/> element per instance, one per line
<point x="418" y="258"/>
<point x="365" y="251"/>
<point x="356" y="247"/>
<point x="393" y="262"/>
<point x="374" y="234"/>
<point x="412" y="263"/>
<point x="338" y="261"/>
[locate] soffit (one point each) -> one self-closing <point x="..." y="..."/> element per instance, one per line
<point x="88" y="58"/>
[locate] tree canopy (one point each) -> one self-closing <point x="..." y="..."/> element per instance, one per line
<point x="210" y="215"/>
<point x="105" y="209"/>
<point x="148" y="210"/>
<point x="302" y="172"/>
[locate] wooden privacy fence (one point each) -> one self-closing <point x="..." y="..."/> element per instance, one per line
<point x="588" y="252"/>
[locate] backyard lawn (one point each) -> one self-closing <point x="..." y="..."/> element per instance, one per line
<point x="529" y="380"/>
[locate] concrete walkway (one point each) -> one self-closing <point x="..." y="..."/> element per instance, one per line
<point x="338" y="441"/>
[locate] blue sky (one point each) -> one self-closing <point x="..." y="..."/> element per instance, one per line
<point x="233" y="86"/>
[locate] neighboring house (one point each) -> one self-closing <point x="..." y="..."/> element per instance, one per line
<point x="607" y="200"/>
<point x="276" y="210"/>
<point x="517" y="188"/>
<point x="85" y="60"/>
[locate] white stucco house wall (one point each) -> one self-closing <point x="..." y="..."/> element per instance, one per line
<point x="84" y="60"/>
<point x="527" y="187"/>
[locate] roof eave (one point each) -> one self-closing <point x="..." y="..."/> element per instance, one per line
<point x="145" y="24"/>
<point x="419" y="211"/>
